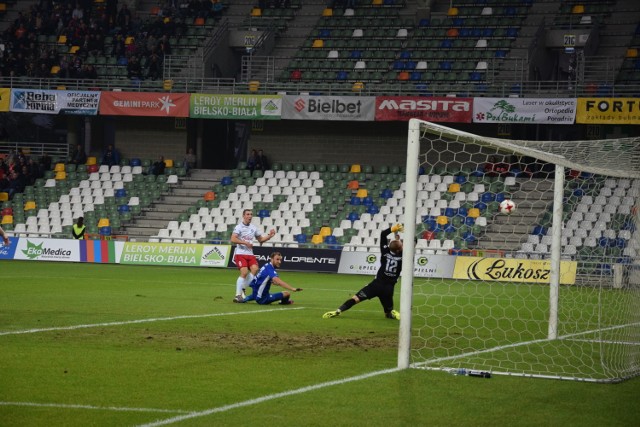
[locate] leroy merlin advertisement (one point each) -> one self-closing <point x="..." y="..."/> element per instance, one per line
<point x="176" y="254"/>
<point x="250" y="107"/>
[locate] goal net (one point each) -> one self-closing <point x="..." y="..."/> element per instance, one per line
<point x="550" y="290"/>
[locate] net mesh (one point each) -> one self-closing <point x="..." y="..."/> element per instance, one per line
<point x="481" y="284"/>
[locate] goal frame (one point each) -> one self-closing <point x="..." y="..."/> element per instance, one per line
<point x="415" y="133"/>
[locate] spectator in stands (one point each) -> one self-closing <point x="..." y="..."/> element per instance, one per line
<point x="262" y="164"/>
<point x="216" y="8"/>
<point x="5" y="238"/>
<point x="252" y="160"/>
<point x="154" y="67"/>
<point x="4" y="169"/>
<point x="158" y="167"/>
<point x="110" y="157"/>
<point x="134" y="69"/>
<point x="89" y="72"/>
<point x="190" y="160"/>
<point x="17" y="182"/>
<point x="78" y="156"/>
<point x="78" y="229"/>
<point x="495" y="168"/>
<point x="45" y="162"/>
<point x="124" y="17"/>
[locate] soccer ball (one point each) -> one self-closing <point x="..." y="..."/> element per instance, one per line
<point x="507" y="206"/>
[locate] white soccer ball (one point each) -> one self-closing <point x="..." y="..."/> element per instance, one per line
<point x="507" y="206"/>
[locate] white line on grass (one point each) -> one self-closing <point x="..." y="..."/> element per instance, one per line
<point x="99" y="408"/>
<point x="519" y="344"/>
<point x="130" y="322"/>
<point x="267" y="398"/>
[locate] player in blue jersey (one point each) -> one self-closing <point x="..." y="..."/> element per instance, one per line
<point x="268" y="275"/>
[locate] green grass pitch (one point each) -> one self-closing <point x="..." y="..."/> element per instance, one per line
<point x="114" y="345"/>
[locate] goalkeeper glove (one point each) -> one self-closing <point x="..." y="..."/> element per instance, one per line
<point x="397" y="228"/>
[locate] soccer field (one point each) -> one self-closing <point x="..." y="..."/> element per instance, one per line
<point x="115" y="345"/>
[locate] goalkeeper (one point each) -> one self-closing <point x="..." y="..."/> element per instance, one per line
<point x="386" y="278"/>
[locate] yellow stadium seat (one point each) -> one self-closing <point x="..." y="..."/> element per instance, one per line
<point x="473" y="213"/>
<point x="55" y="69"/>
<point x="316" y="239"/>
<point x="4" y="197"/>
<point x="357" y="87"/>
<point x="318" y="43"/>
<point x="355" y="168"/>
<point x="29" y="205"/>
<point x="376" y="2"/>
<point x="362" y="193"/>
<point x="442" y="220"/>
<point x="325" y="231"/>
<point x="7" y="219"/>
<point x="254" y="86"/>
<point x="454" y="187"/>
<point x="62" y="39"/>
<point x="103" y="222"/>
<point x="327" y="12"/>
<point x="129" y="40"/>
<point x="3" y="7"/>
<point x="453" y="11"/>
<point x="167" y="84"/>
<point x="577" y="9"/>
<point x="168" y="163"/>
<point x="61" y="175"/>
<point x="59" y="167"/>
<point x="91" y="161"/>
<point x="74" y="49"/>
<point x="632" y="52"/>
<point x="256" y="12"/>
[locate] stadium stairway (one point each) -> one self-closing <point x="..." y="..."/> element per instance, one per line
<point x="185" y="194"/>
<point x="508" y="232"/>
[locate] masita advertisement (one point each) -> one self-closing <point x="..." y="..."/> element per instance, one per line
<point x="77" y="102"/>
<point x="175" y="254"/>
<point x="368" y="263"/>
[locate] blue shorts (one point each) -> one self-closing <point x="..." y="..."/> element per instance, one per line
<point x="269" y="298"/>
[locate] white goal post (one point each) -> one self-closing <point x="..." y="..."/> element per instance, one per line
<point x="575" y="226"/>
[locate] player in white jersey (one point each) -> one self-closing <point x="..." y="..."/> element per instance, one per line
<point x="243" y="235"/>
<point x="5" y="238"/>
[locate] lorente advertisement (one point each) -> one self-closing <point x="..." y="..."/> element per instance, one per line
<point x="76" y="102"/>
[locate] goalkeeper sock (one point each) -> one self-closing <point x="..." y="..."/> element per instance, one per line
<point x="347" y="305"/>
<point x="239" y="285"/>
